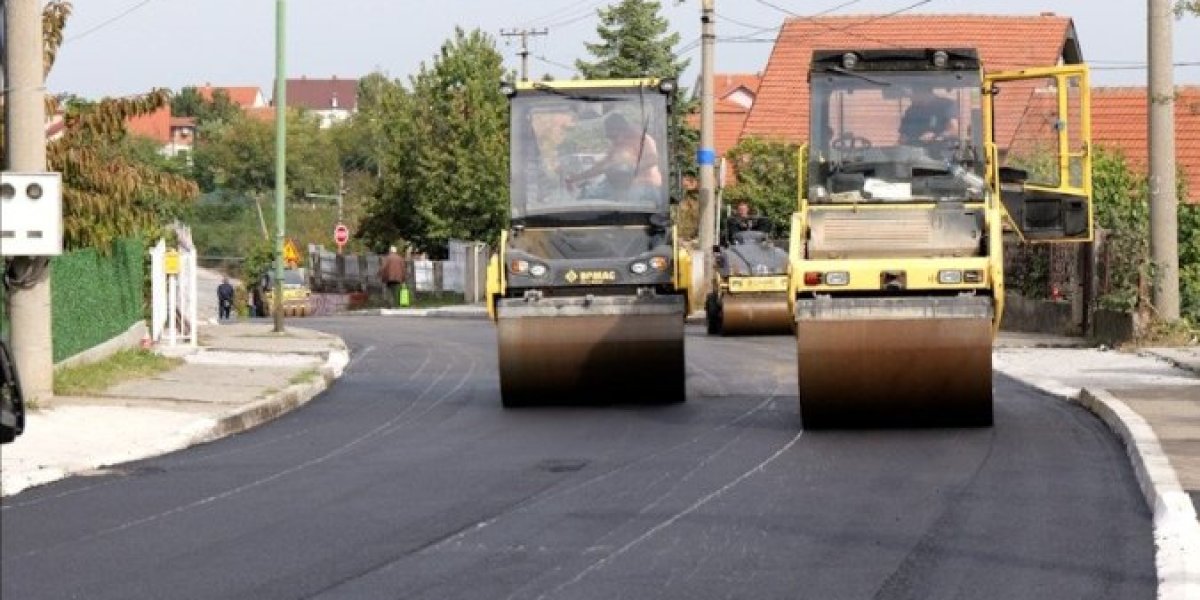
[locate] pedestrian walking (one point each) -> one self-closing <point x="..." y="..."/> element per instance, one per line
<point x="392" y="274"/>
<point x="224" y="299"/>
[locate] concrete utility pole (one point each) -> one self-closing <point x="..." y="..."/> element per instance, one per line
<point x="280" y="156"/>
<point x="706" y="155"/>
<point x="524" y="52"/>
<point x="1164" y="219"/>
<point x="25" y="144"/>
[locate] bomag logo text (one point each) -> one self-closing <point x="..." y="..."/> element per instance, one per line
<point x="591" y="277"/>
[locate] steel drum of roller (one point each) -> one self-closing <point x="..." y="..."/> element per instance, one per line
<point x="591" y="351"/>
<point x="895" y="362"/>
<point x="755" y="314"/>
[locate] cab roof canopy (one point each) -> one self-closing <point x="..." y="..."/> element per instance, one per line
<point x="896" y="59"/>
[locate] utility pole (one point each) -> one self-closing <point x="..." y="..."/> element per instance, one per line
<point x="706" y="155"/>
<point x="1164" y="219"/>
<point x="280" y="156"/>
<point x="25" y="145"/>
<point x="524" y="52"/>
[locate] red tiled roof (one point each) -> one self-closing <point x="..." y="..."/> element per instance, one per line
<point x="1003" y="43"/>
<point x="243" y="96"/>
<point x="183" y="121"/>
<point x="320" y="94"/>
<point x="1119" y="120"/>
<point x="155" y="126"/>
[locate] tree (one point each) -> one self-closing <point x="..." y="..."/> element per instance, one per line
<point x="766" y="179"/>
<point x="1187" y="6"/>
<point x="107" y="194"/>
<point x="189" y="102"/>
<point x="239" y="155"/>
<point x="633" y="43"/>
<point x="445" y="159"/>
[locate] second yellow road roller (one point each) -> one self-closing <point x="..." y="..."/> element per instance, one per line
<point x="588" y="285"/>
<point x="750" y="279"/>
<point x="918" y="163"/>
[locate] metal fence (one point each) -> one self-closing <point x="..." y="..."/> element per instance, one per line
<point x="464" y="272"/>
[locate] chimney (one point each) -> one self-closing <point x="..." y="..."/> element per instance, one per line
<point x="1048" y="13"/>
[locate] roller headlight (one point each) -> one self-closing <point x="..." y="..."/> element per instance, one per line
<point x="518" y="267"/>
<point x="659" y="263"/>
<point x="837" y="278"/>
<point x="639" y="268"/>
<point x="538" y="270"/>
<point x="950" y="277"/>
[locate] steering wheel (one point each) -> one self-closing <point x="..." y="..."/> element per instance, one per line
<point x="848" y="141"/>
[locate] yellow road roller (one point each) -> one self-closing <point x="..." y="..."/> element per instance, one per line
<point x="750" y="279"/>
<point x="918" y="164"/>
<point x="588" y="285"/>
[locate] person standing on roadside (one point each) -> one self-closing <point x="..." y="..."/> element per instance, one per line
<point x="224" y="299"/>
<point x="392" y="274"/>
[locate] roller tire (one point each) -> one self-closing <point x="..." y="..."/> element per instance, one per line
<point x="712" y="314"/>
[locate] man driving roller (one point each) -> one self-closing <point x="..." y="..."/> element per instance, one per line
<point x="929" y="118"/>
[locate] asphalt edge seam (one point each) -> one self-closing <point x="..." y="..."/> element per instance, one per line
<point x="1176" y="530"/>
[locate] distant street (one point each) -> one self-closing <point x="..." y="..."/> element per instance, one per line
<point x="408" y="480"/>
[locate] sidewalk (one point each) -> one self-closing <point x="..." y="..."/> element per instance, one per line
<point x="242" y="375"/>
<point x="1151" y="401"/>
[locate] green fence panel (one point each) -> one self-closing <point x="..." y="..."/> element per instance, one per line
<point x="96" y="297"/>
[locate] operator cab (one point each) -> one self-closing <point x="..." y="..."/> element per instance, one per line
<point x="896" y="126"/>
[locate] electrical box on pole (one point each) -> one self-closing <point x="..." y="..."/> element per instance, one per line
<point x="30" y="214"/>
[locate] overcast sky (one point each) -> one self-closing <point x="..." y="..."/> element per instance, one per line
<point x="120" y="47"/>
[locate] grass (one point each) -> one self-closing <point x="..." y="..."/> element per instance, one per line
<point x="419" y="300"/>
<point x="304" y="376"/>
<point x="99" y="376"/>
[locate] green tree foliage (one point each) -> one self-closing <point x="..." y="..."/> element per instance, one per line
<point x="634" y="42"/>
<point x="1122" y="210"/>
<point x="766" y="179"/>
<point x="1184" y="7"/>
<point x="445" y="156"/>
<point x="190" y="103"/>
<point x="239" y="156"/>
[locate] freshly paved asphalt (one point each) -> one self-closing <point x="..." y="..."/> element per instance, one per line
<point x="408" y="480"/>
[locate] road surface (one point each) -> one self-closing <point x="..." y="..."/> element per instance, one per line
<point x="408" y="480"/>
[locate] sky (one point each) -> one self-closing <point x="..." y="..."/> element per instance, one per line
<point x="123" y="47"/>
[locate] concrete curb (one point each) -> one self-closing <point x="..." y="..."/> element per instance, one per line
<point x="1176" y="530"/>
<point x="1172" y="360"/>
<point x="279" y="403"/>
<point x="453" y="312"/>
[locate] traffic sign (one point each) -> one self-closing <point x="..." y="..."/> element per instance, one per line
<point x="341" y="235"/>
<point x="291" y="256"/>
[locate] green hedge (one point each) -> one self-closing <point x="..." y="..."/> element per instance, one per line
<point x="95" y="296"/>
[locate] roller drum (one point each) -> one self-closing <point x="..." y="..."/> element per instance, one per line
<point x="602" y="351"/>
<point x="755" y="314"/>
<point x="895" y="362"/>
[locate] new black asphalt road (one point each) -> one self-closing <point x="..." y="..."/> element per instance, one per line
<point x="408" y="480"/>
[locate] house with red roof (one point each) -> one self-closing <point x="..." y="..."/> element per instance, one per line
<point x="734" y="97"/>
<point x="333" y="99"/>
<point x="246" y="97"/>
<point x="175" y="135"/>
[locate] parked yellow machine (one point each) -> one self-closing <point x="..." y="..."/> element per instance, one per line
<point x="917" y="165"/>
<point x="588" y="286"/>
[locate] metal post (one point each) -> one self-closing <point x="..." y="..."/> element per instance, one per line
<point x="280" y="156"/>
<point x="706" y="155"/>
<point x="1164" y="221"/>
<point x="25" y="132"/>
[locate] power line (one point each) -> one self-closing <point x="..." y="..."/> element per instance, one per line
<point x="556" y="13"/>
<point x="109" y="21"/>
<point x="813" y="16"/>
<point x="1142" y="66"/>
<point x="553" y="62"/>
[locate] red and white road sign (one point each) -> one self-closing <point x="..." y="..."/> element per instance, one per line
<point x="341" y="235"/>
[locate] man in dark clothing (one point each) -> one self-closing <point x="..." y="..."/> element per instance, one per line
<point x="392" y="274"/>
<point x="741" y="220"/>
<point x="929" y="118"/>
<point x="224" y="299"/>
